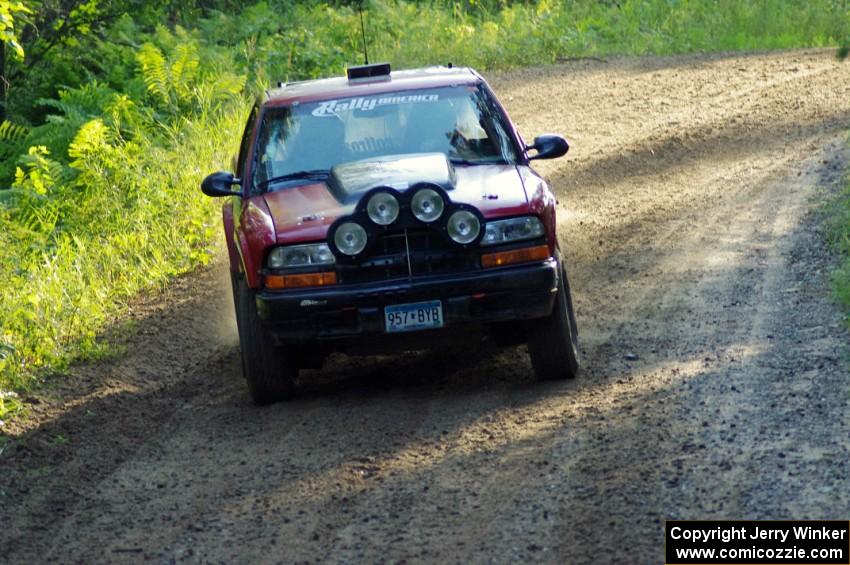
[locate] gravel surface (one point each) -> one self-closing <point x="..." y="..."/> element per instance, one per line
<point x="715" y="381"/>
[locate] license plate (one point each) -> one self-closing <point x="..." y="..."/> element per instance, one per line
<point x="416" y="316"/>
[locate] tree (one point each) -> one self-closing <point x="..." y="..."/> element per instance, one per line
<point x="58" y="31"/>
<point x="9" y="36"/>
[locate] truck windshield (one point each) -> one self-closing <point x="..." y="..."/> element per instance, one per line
<point x="462" y="122"/>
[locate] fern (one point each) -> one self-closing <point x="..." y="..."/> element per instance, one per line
<point x="154" y="71"/>
<point x="56" y="133"/>
<point x="74" y="108"/>
<point x="86" y="101"/>
<point x="90" y="139"/>
<point x="33" y="201"/>
<point x="122" y="114"/>
<point x="10" y="133"/>
<point x="184" y="68"/>
<point x="13" y="142"/>
<point x="172" y="78"/>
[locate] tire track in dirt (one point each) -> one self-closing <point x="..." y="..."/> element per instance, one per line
<point x="685" y="216"/>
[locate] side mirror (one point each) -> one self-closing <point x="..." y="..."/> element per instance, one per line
<point x="549" y="146"/>
<point x="218" y="184"/>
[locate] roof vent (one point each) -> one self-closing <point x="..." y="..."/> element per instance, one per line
<point x="368" y="71"/>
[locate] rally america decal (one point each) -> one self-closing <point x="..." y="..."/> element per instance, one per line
<point x="332" y="107"/>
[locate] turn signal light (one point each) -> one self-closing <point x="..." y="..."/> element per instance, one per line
<point x="279" y="282"/>
<point x="524" y="255"/>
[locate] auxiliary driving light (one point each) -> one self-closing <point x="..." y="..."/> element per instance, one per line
<point x="382" y="208"/>
<point x="350" y="238"/>
<point x="463" y="227"/>
<point x="427" y="205"/>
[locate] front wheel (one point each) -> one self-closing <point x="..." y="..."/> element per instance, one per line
<point x="553" y="341"/>
<point x="269" y="374"/>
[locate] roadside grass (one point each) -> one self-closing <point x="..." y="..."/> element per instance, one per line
<point x="319" y="40"/>
<point x="117" y="212"/>
<point x="839" y="239"/>
<point x="546" y="31"/>
<point x="103" y="200"/>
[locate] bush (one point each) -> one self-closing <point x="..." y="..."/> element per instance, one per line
<point x="117" y="213"/>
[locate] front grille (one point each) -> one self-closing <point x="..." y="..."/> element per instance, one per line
<point x="429" y="254"/>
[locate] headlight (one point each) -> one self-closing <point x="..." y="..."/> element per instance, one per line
<point x="300" y="256"/>
<point x="427" y="205"/>
<point x="350" y="238"/>
<point x="515" y="229"/>
<point x="463" y="227"/>
<point x="382" y="208"/>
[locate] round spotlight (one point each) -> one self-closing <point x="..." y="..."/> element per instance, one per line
<point x="382" y="208"/>
<point x="463" y="227"/>
<point x="350" y="238"/>
<point x="427" y="205"/>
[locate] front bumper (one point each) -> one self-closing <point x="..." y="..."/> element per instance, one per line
<point x="327" y="314"/>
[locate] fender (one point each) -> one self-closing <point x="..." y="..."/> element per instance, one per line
<point x="542" y="203"/>
<point x="252" y="235"/>
<point x="229" y="235"/>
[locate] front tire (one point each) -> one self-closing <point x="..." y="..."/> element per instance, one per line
<point x="269" y="374"/>
<point x="553" y="341"/>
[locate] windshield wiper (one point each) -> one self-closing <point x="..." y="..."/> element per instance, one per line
<point x="316" y="174"/>
<point x="490" y="161"/>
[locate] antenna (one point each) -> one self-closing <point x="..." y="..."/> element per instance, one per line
<point x="363" y="31"/>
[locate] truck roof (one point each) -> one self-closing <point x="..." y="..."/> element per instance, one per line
<point x="342" y="87"/>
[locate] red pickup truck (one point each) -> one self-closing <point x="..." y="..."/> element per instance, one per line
<point x="386" y="211"/>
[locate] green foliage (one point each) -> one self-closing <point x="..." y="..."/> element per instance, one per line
<point x="87" y="226"/>
<point x="13" y="142"/>
<point x="114" y="118"/>
<point x="10" y="405"/>
<point x="9" y="12"/>
<point x="170" y="82"/>
<point x="313" y="40"/>
<point x="839" y="237"/>
<point x="35" y="202"/>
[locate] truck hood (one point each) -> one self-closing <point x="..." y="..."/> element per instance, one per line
<point x="304" y="212"/>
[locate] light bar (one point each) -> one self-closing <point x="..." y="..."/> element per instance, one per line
<point x="368" y="71"/>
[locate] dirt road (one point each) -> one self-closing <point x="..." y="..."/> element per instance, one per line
<point x="686" y="217"/>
